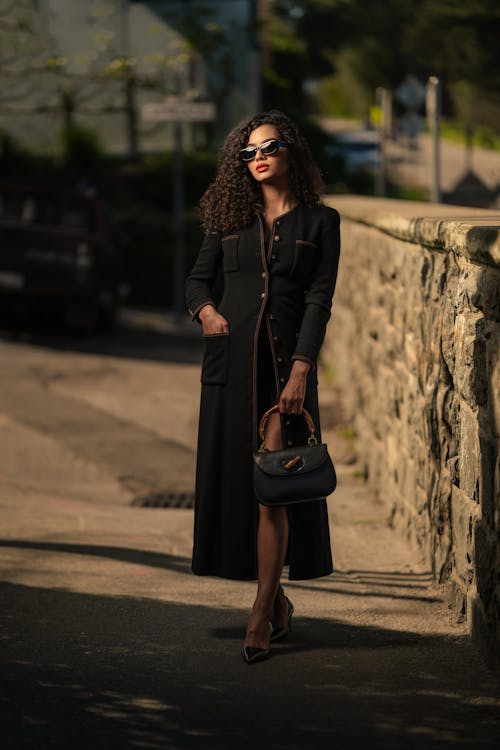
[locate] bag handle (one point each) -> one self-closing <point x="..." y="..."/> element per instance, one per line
<point x="312" y="439"/>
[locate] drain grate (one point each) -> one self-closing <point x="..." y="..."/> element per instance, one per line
<point x="165" y="500"/>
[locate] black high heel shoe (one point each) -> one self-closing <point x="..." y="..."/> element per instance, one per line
<point x="251" y="654"/>
<point x="278" y="632"/>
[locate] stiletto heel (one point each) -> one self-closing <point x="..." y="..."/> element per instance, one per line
<point x="251" y="654"/>
<point x="278" y="632"/>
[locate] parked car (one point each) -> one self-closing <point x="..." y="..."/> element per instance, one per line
<point x="358" y="149"/>
<point x="56" y="251"/>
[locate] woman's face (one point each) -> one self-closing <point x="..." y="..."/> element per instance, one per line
<point x="264" y="168"/>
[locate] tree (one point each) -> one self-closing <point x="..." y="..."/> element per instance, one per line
<point x="367" y="43"/>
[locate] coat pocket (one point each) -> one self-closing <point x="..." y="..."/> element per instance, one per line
<point x="304" y="257"/>
<point x="230" y="261"/>
<point x="215" y="365"/>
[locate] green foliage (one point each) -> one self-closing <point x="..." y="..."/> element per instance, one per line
<point x="342" y="94"/>
<point x="357" y="45"/>
<point x="482" y="136"/>
<point x="474" y="108"/>
<point x="81" y="148"/>
<point x="10" y="148"/>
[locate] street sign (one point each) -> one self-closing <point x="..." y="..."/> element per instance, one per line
<point x="411" y="124"/>
<point x="178" y="109"/>
<point x="411" y="93"/>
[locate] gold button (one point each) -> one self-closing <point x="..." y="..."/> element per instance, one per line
<point x="287" y="422"/>
<point x="290" y="442"/>
<point x="274" y="257"/>
<point x="276" y="238"/>
<point x="263" y="294"/>
<point x="263" y="274"/>
<point x="280" y="359"/>
<point x="271" y="316"/>
<point x="275" y="338"/>
<point x="282" y="380"/>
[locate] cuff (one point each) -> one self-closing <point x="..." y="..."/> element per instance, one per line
<point x="304" y="359"/>
<point x="194" y="313"/>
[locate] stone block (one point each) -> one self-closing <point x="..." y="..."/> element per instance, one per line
<point x="484" y="559"/>
<point x="469" y="454"/>
<point x="457" y="601"/>
<point x="470" y="374"/>
<point x="409" y="487"/>
<point x="485" y="295"/>
<point x="448" y="337"/>
<point x="462" y="521"/>
<point x="448" y="408"/>
<point x="496" y="497"/>
<point x="492" y="357"/>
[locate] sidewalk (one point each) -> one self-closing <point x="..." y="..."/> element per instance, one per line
<point x="108" y="640"/>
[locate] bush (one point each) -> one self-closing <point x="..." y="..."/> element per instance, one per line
<point x="81" y="147"/>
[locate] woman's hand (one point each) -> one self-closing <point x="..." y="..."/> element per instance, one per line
<point x="293" y="394"/>
<point x="212" y="321"/>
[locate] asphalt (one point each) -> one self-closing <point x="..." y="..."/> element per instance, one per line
<point x="108" y="641"/>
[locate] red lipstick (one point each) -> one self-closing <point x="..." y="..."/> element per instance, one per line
<point x="262" y="167"/>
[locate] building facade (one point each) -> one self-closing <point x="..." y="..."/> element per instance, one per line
<point x="95" y="64"/>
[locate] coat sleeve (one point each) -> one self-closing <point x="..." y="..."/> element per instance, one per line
<point x="199" y="285"/>
<point x="319" y="296"/>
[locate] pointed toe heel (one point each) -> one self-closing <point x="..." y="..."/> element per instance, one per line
<point x="279" y="633"/>
<point x="252" y="654"/>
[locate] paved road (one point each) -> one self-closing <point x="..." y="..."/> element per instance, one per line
<point x="107" y="639"/>
<point x="412" y="167"/>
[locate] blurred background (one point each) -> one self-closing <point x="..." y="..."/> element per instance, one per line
<point x="112" y="112"/>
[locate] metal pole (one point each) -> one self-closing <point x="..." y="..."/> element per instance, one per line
<point x="129" y="87"/>
<point x="433" y="110"/>
<point x="178" y="271"/>
<point x="255" y="57"/>
<point x="383" y="103"/>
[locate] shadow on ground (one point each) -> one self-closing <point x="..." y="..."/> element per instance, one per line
<point x="92" y="671"/>
<point x="386" y="584"/>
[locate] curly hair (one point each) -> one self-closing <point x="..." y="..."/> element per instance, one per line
<point x="231" y="200"/>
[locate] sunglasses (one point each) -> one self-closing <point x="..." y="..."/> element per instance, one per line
<point x="268" y="148"/>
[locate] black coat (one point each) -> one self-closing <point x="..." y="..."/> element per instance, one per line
<point x="284" y="283"/>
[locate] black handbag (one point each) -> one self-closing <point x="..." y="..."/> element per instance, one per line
<point x="292" y="475"/>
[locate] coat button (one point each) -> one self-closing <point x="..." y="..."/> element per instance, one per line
<point x="280" y="359"/>
<point x="287" y="423"/>
<point x="276" y="238"/>
<point x="263" y="274"/>
<point x="290" y="442"/>
<point x="263" y="294"/>
<point x="271" y="316"/>
<point x="275" y="338"/>
<point x="282" y="380"/>
<point x="274" y="257"/>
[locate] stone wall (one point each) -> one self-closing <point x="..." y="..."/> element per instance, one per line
<point x="414" y="344"/>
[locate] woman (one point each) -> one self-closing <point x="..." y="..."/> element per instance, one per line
<point x="262" y="289"/>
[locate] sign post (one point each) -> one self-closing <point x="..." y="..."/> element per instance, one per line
<point x="384" y="101"/>
<point x="433" y="108"/>
<point x="177" y="110"/>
